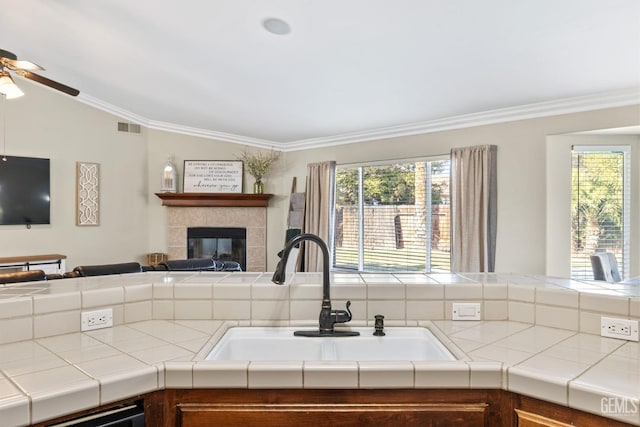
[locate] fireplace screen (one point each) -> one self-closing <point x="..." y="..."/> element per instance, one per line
<point x="219" y="243"/>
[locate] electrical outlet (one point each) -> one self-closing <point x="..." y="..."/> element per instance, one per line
<point x="619" y="328"/>
<point x="98" y="319"/>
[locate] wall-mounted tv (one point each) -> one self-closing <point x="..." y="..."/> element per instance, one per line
<point x="24" y="191"/>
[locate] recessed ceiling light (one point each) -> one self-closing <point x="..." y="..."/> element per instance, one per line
<point x="276" y="26"/>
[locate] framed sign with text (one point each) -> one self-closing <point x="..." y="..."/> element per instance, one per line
<point x="213" y="176"/>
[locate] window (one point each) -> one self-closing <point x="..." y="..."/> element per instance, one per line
<point x="392" y="217"/>
<point x="600" y="207"/>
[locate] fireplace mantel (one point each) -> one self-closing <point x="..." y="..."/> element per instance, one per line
<point x="239" y="200"/>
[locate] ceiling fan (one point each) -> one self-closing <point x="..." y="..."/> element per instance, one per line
<point x="9" y="61"/>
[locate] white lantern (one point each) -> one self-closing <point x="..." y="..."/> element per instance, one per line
<point x="169" y="177"/>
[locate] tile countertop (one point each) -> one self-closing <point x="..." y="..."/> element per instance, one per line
<point x="47" y="377"/>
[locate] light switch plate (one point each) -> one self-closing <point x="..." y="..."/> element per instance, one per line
<point x="465" y="311"/>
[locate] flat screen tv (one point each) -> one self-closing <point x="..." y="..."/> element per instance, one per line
<point x="24" y="191"/>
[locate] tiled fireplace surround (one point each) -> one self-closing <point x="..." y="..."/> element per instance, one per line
<point x="254" y="219"/>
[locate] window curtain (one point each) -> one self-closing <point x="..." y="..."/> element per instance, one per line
<point x="473" y="208"/>
<point x="317" y="213"/>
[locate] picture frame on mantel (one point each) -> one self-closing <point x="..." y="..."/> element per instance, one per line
<point x="213" y="176"/>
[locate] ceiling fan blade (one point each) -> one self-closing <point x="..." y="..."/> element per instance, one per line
<point x="16" y="64"/>
<point x="11" y="61"/>
<point x="48" y="82"/>
<point x="7" y="54"/>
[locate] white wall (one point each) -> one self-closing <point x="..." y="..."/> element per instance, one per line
<point x="45" y="123"/>
<point x="133" y="222"/>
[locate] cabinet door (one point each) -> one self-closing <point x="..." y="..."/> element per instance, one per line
<point x="528" y="419"/>
<point x="333" y="415"/>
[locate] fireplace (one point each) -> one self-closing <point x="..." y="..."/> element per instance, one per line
<point x="219" y="243"/>
<point x="252" y="219"/>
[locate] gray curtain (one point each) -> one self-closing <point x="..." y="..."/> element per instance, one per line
<point x="473" y="208"/>
<point x="317" y="211"/>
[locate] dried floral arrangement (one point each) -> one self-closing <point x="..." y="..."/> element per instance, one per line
<point x="258" y="162"/>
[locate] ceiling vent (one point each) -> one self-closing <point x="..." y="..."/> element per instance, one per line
<point x="129" y="127"/>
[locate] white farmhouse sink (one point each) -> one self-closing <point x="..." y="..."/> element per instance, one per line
<point x="276" y="343"/>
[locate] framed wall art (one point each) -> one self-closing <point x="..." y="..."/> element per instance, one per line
<point x="213" y="176"/>
<point x="87" y="193"/>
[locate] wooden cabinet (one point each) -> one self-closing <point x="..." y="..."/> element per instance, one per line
<point x="351" y="408"/>
<point x="345" y="415"/>
<point x="528" y="419"/>
<point x="489" y="408"/>
<point x="532" y="412"/>
<point x="246" y="408"/>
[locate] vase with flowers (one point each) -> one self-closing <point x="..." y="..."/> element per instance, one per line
<point x="258" y="164"/>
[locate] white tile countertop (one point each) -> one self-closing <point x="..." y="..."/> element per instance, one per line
<point x="166" y="323"/>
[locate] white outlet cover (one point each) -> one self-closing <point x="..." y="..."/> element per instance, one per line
<point x="98" y="319"/>
<point x="623" y="329"/>
<point x="465" y="311"/>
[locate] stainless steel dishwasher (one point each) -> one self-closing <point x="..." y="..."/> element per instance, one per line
<point x="131" y="415"/>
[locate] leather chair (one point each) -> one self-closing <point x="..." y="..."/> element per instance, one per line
<point x="198" y="264"/>
<point x="191" y="264"/>
<point x="230" y="266"/>
<point x="107" y="269"/>
<point x="22" y="276"/>
<point x="605" y="267"/>
<point x="70" y="274"/>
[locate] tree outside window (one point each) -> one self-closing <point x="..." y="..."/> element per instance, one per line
<point x="392" y="217"/>
<point x="599" y="207"/>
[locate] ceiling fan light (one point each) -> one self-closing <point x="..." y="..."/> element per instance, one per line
<point x="8" y="87"/>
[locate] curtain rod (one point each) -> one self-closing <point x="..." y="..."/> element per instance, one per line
<point x="400" y="160"/>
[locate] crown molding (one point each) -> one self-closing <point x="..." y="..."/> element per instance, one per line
<point x="174" y="128"/>
<point x="112" y="109"/>
<point x="220" y="136"/>
<point x="578" y="104"/>
<point x="611" y="99"/>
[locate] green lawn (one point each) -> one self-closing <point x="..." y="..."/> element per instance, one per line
<point x="398" y="260"/>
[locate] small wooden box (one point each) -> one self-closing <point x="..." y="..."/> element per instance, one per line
<point x="156" y="258"/>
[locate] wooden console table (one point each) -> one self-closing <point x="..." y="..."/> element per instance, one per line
<point x="49" y="263"/>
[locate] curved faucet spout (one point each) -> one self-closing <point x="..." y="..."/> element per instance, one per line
<point x="279" y="276"/>
<point x="328" y="317"/>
